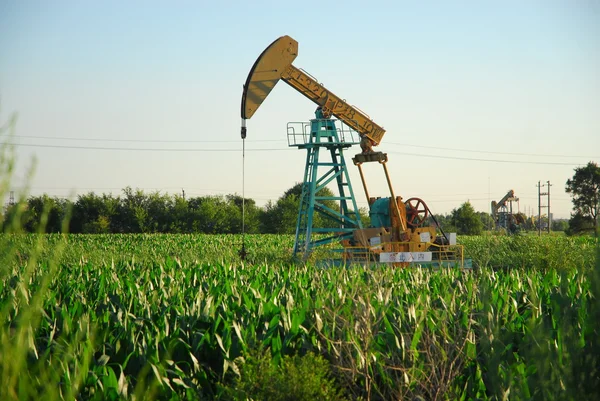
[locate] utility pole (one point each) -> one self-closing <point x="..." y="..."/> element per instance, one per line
<point x="549" y="215"/>
<point x="540" y="194"/>
<point x="539" y="209"/>
<point x="183" y="193"/>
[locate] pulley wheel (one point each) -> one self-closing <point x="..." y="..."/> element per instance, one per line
<point x="416" y="212"/>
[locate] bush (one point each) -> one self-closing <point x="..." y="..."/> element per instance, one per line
<point x="297" y="378"/>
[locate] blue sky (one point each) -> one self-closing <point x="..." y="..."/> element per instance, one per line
<point x="477" y="98"/>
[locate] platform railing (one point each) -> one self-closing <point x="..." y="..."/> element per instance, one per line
<point x="299" y="132"/>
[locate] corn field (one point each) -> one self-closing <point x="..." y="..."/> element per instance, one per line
<point x="179" y="317"/>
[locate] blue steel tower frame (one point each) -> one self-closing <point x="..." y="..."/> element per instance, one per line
<point x="320" y="170"/>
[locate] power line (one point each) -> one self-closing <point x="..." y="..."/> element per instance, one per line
<point x="142" y="149"/>
<point x="486" y="160"/>
<point x="283" y="140"/>
<point x="277" y="150"/>
<point x="489" y="151"/>
<point x="65" y="138"/>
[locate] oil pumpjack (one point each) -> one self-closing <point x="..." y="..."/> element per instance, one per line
<point x="398" y="233"/>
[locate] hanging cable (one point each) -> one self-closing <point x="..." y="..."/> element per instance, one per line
<point x="242" y="251"/>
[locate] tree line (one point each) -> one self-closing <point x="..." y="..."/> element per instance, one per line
<point x="135" y="211"/>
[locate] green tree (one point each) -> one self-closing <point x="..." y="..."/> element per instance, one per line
<point x="280" y="217"/>
<point x="466" y="220"/>
<point x="139" y="212"/>
<point x="578" y="223"/>
<point x="87" y="209"/>
<point x="94" y="213"/>
<point x="180" y="212"/>
<point x="251" y="212"/>
<point x="215" y="215"/>
<point x="443" y="220"/>
<point x="584" y="187"/>
<point x="487" y="220"/>
<point x="131" y="217"/>
<point x="158" y="208"/>
<point x="55" y="211"/>
<point x="560" y="225"/>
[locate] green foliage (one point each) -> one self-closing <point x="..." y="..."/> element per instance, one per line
<point x="93" y="213"/>
<point x="585" y="189"/>
<point x="448" y="222"/>
<point x="281" y="217"/>
<point x="174" y="317"/>
<point x="296" y="378"/>
<point x="30" y="214"/>
<point x="217" y="215"/>
<point x="179" y="317"/>
<point x="560" y="225"/>
<point x="487" y="221"/>
<point x="135" y="212"/>
<point x="580" y="224"/>
<point x="251" y="211"/>
<point x="466" y="220"/>
<point x="531" y="252"/>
